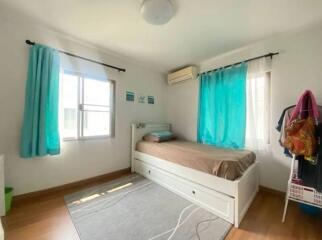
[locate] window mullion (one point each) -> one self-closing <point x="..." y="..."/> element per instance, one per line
<point x="79" y="112"/>
<point x="82" y="107"/>
<point x="112" y="108"/>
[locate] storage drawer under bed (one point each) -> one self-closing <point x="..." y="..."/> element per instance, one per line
<point x="218" y="203"/>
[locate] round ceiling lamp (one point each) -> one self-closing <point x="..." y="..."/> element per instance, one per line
<point x="157" y="12"/>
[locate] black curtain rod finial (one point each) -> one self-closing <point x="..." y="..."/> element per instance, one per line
<point x="30" y="42"/>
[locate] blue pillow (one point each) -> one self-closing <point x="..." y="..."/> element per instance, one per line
<point x="162" y="134"/>
<point x="159" y="136"/>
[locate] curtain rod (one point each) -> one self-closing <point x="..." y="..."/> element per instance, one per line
<point x="248" y="60"/>
<point x="86" y="59"/>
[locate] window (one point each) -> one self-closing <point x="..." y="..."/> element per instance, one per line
<point x="258" y="111"/>
<point x="258" y="100"/>
<point x="87" y="106"/>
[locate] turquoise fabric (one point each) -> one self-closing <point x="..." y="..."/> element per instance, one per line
<point x="162" y="134"/>
<point x="39" y="134"/>
<point x="222" y="107"/>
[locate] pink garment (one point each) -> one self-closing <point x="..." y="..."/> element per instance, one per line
<point x="306" y="106"/>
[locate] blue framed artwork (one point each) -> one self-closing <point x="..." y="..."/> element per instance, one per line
<point x="130" y="96"/>
<point x="141" y="98"/>
<point x="150" y="100"/>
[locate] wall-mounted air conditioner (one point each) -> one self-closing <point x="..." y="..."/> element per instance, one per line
<point x="182" y="75"/>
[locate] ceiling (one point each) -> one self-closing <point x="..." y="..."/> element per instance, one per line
<point x="199" y="30"/>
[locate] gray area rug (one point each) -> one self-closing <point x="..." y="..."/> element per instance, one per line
<point x="135" y="208"/>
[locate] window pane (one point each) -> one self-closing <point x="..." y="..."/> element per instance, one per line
<point x="70" y="105"/>
<point x="97" y="92"/>
<point x="258" y="111"/>
<point x="96" y="124"/>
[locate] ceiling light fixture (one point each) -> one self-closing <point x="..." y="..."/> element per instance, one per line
<point x="157" y="12"/>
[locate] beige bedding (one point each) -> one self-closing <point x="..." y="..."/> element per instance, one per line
<point x="226" y="163"/>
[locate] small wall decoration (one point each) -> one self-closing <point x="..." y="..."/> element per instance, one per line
<point x="130" y="96"/>
<point x="141" y="98"/>
<point x="150" y="100"/>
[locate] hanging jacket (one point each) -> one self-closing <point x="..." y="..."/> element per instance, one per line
<point x="306" y="106"/>
<point x="280" y="123"/>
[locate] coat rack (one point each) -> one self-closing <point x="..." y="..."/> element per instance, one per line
<point x="300" y="193"/>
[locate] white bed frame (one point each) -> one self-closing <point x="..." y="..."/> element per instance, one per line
<point x="227" y="199"/>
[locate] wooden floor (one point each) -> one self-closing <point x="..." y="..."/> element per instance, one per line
<point x="47" y="218"/>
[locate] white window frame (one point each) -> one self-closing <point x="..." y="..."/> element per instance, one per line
<point x="80" y="109"/>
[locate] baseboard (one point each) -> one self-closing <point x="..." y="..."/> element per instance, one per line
<point x="71" y="186"/>
<point x="270" y="190"/>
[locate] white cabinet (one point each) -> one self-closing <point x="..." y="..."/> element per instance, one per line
<point x="2" y="203"/>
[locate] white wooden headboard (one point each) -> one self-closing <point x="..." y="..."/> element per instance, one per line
<point x="141" y="129"/>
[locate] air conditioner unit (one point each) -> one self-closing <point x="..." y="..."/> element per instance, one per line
<point x="182" y="75"/>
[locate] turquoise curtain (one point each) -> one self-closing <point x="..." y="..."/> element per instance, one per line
<point x="222" y="107"/>
<point x="39" y="134"/>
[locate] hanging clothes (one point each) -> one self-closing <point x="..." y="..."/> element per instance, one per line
<point x="308" y="173"/>
<point x="285" y="116"/>
<point x="280" y="124"/>
<point x="306" y="106"/>
<point x="311" y="174"/>
<point x="319" y="158"/>
<point x="300" y="130"/>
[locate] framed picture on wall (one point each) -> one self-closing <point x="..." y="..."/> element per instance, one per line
<point x="130" y="96"/>
<point x="141" y="98"/>
<point x="150" y="99"/>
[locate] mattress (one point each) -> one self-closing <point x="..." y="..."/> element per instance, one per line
<point x="226" y="163"/>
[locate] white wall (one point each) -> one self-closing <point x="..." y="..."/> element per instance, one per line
<point x="298" y="67"/>
<point x="79" y="159"/>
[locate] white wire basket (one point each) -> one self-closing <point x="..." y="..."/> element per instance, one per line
<point x="305" y="194"/>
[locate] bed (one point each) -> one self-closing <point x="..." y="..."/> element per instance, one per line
<point x="223" y="181"/>
<point x="226" y="163"/>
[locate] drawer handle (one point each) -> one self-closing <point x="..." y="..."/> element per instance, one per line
<point x="193" y="192"/>
<point x="149" y="171"/>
